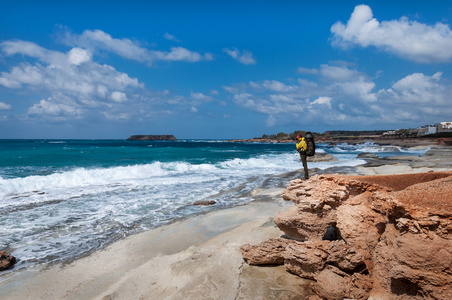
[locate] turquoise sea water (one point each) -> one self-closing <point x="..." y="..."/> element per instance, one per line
<point x="61" y="199"/>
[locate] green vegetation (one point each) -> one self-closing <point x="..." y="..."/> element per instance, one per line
<point x="286" y="136"/>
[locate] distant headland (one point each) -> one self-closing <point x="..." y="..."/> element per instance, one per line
<point x="168" y="137"/>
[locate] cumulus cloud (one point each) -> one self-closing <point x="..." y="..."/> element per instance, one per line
<point x="408" y="39"/>
<point x="98" y="39"/>
<point x="54" y="110"/>
<point x="4" y="106"/>
<point x="417" y="97"/>
<point x="77" y="56"/>
<point x="322" y="101"/>
<point x="245" y="57"/>
<point x="118" y="96"/>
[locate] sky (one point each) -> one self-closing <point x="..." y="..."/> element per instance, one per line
<point x="221" y="69"/>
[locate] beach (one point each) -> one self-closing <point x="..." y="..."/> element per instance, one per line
<point x="196" y="257"/>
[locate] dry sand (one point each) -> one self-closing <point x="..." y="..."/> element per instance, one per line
<point x="197" y="258"/>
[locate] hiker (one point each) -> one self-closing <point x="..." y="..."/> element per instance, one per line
<point x="301" y="148"/>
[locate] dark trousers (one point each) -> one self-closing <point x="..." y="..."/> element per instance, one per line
<point x="305" y="165"/>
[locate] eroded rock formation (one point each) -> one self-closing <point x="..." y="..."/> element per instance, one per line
<point x="390" y="237"/>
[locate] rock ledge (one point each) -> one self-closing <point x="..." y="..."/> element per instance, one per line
<point x="390" y="237"/>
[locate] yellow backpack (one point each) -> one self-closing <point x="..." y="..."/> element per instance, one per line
<point x="301" y="146"/>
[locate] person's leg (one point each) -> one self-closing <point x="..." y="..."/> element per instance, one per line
<point x="305" y="166"/>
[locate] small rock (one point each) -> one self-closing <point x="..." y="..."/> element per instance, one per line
<point x="6" y="260"/>
<point x="367" y="155"/>
<point x="205" y="202"/>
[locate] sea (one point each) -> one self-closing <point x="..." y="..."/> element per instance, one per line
<point x="63" y="199"/>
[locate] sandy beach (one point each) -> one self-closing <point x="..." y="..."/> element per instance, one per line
<point x="195" y="258"/>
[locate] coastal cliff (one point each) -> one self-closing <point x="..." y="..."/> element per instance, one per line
<point x="386" y="237"/>
<point x="167" y="137"/>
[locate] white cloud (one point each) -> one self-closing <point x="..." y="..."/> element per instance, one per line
<point x="170" y="37"/>
<point x="23" y="74"/>
<point x="32" y="50"/>
<point x="4" y="106"/>
<point x="323" y="101"/>
<point x="245" y="57"/>
<point x="408" y="39"/>
<point x="360" y="88"/>
<point x="119" y="97"/>
<point x="272" y="85"/>
<point x="338" y="73"/>
<point x="269" y="105"/>
<point x="77" y="56"/>
<point x="277" y="86"/>
<point x="126" y="48"/>
<point x="54" y="109"/>
<point x="418" y="83"/>
<point x="180" y="54"/>
<point x="421" y="92"/>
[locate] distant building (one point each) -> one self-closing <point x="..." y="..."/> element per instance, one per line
<point x="420" y="131"/>
<point x="446" y="126"/>
<point x="436" y="128"/>
<point x="426" y="130"/>
<point x="390" y="133"/>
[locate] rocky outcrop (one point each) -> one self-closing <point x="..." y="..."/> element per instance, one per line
<point x="6" y="260"/>
<point x="386" y="237"/>
<point x="152" y="138"/>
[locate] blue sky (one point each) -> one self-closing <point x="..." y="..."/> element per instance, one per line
<point x="221" y="69"/>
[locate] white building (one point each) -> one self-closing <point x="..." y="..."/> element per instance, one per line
<point x="432" y="129"/>
<point x="446" y="125"/>
<point x="425" y="130"/>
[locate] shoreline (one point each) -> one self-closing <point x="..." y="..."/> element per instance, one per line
<point x="194" y="258"/>
<point x="384" y="141"/>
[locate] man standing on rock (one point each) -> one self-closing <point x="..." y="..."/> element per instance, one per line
<point x="301" y="148"/>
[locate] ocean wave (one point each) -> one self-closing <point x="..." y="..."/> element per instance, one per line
<point x="82" y="177"/>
